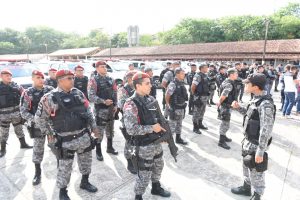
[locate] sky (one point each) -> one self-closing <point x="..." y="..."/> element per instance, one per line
<point x="113" y="16"/>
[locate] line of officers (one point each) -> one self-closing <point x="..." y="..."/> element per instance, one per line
<point x="63" y="114"/>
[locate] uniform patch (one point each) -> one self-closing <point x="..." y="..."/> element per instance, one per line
<point x="269" y="111"/>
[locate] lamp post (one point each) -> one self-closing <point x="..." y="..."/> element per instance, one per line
<point x="267" y="22"/>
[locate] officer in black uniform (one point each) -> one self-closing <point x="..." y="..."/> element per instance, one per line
<point x="81" y="81"/>
<point x="221" y="76"/>
<point x="189" y="79"/>
<point x="212" y="77"/>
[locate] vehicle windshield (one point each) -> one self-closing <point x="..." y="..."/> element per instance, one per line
<point x="20" y="70"/>
<point x="119" y="66"/>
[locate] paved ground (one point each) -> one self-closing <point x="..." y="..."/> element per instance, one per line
<point x="203" y="170"/>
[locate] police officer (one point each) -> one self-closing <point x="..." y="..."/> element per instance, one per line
<point x="228" y="94"/>
<point x="103" y="93"/>
<point x="212" y="77"/>
<point x="10" y="93"/>
<point x="123" y="94"/>
<point x="141" y="124"/>
<point x="28" y="107"/>
<point x="81" y="81"/>
<point x="176" y="97"/>
<point x="64" y="113"/>
<point x="200" y="90"/>
<point x="148" y="70"/>
<point x="258" y="124"/>
<point x="189" y="79"/>
<point x="161" y="76"/>
<point x="51" y="81"/>
<point x="272" y="76"/>
<point x="221" y="76"/>
<point x="239" y="83"/>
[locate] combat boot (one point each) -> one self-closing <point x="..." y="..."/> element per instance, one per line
<point x="211" y="102"/>
<point x="86" y="185"/>
<point x="242" y="190"/>
<point x="196" y="128"/>
<point x="37" y="177"/>
<point x="23" y="144"/>
<point x="130" y="167"/>
<point x="179" y="140"/>
<point x="227" y="139"/>
<point x="222" y="143"/>
<point x="99" y="152"/>
<point x="255" y="196"/>
<point x="3" y="149"/>
<point x="201" y="126"/>
<point x="63" y="194"/>
<point x="138" y="197"/>
<point x="158" y="190"/>
<point x="110" y="148"/>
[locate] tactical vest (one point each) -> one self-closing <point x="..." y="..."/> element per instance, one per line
<point x="104" y="90"/>
<point x="71" y="114"/>
<point x="203" y="87"/>
<point x="251" y="122"/>
<point x="147" y="116"/>
<point x="232" y="96"/>
<point x="9" y="95"/>
<point x="36" y="97"/>
<point x="180" y="96"/>
<point x="129" y="90"/>
<point x="220" y="79"/>
<point x="81" y="84"/>
<point x="51" y="82"/>
<point x="190" y="77"/>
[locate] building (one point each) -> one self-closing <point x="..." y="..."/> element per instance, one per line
<point x="74" y="54"/>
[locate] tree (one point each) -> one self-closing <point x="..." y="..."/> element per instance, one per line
<point x="119" y="40"/>
<point x="6" y="47"/>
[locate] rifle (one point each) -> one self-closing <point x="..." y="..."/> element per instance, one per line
<point x="167" y="135"/>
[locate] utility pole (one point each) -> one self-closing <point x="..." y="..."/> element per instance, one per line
<point x="267" y="22"/>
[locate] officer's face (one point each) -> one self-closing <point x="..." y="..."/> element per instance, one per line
<point x="6" y="78"/>
<point x="261" y="70"/>
<point x="193" y="68"/>
<point x="145" y="87"/>
<point x="66" y="82"/>
<point x="129" y="80"/>
<point x="131" y="67"/>
<point x="249" y="88"/>
<point x="204" y="69"/>
<point x="38" y="81"/>
<point x="79" y="72"/>
<point x="150" y="73"/>
<point x="52" y="74"/>
<point x="238" y="67"/>
<point x="234" y="75"/>
<point x="180" y="76"/>
<point x="101" y="69"/>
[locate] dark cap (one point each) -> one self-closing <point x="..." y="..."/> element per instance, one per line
<point x="100" y="63"/>
<point x="37" y="73"/>
<point x="140" y="75"/>
<point x="203" y="65"/>
<point x="178" y="70"/>
<point x="222" y="67"/>
<point x="63" y="72"/>
<point x="231" y="71"/>
<point x="257" y="79"/>
<point x="6" y="71"/>
<point x="176" y="63"/>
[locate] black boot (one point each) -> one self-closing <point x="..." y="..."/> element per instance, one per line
<point x="242" y="190"/>
<point x="63" y="194"/>
<point x="227" y="139"/>
<point x="110" y="148"/>
<point x="37" y="177"/>
<point x="201" y="126"/>
<point x="211" y="102"/>
<point x="3" y="149"/>
<point x="99" y="152"/>
<point x="158" y="190"/>
<point x="255" y="196"/>
<point x="222" y="143"/>
<point x="86" y="185"/>
<point x="179" y="140"/>
<point x="23" y="144"/>
<point x="196" y="128"/>
<point x="138" y="197"/>
<point x="130" y="167"/>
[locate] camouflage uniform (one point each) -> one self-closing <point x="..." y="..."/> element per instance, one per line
<point x="190" y="78"/>
<point x="10" y="111"/>
<point x="150" y="156"/>
<point x="106" y="125"/>
<point x="80" y="143"/>
<point x="168" y="77"/>
<point x="81" y="84"/>
<point x="266" y="111"/>
<point x="28" y="106"/>
<point x="51" y="82"/>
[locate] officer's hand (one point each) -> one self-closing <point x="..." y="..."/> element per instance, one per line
<point x="218" y="104"/>
<point x="259" y="159"/>
<point x="50" y="138"/>
<point x="108" y="102"/>
<point x="157" y="128"/>
<point x="235" y="104"/>
<point x="96" y="133"/>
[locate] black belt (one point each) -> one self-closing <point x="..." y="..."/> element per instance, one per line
<point x="69" y="138"/>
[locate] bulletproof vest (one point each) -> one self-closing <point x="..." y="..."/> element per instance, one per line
<point x="191" y="77"/>
<point x="212" y="76"/>
<point x="153" y="89"/>
<point x="232" y="96"/>
<point x="221" y="78"/>
<point x="129" y="90"/>
<point x="71" y="114"/>
<point x="36" y="97"/>
<point x="163" y="73"/>
<point x="81" y="84"/>
<point x="203" y="87"/>
<point x="51" y="82"/>
<point x="251" y="122"/>
<point x="9" y="95"/>
<point x="180" y="96"/>
<point x="104" y="89"/>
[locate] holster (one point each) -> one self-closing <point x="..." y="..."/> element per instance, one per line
<point x="249" y="161"/>
<point x="224" y="113"/>
<point x="198" y="102"/>
<point x="34" y="132"/>
<point x="100" y="121"/>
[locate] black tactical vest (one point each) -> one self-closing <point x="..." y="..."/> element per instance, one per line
<point x="51" y="82"/>
<point x="9" y="95"/>
<point x="251" y="122"/>
<point x="36" y="97"/>
<point x="104" y="90"/>
<point x="232" y="96"/>
<point x="71" y="114"/>
<point x="129" y="90"/>
<point x="203" y="87"/>
<point x="220" y="79"/>
<point x="81" y="84"/>
<point x="180" y="96"/>
<point x="190" y="77"/>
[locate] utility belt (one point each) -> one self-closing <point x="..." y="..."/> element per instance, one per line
<point x="249" y="161"/>
<point x="145" y="140"/>
<point x="175" y="115"/>
<point x="69" y="138"/>
<point x="15" y="109"/>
